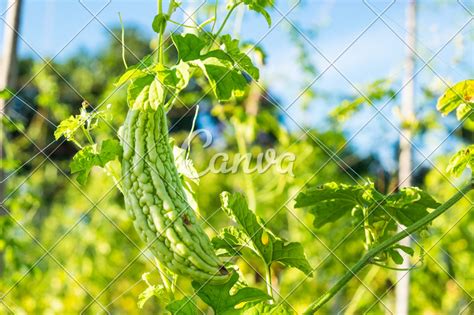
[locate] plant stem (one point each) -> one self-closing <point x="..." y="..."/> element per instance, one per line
<point x="226" y="18"/>
<point x="361" y="290"/>
<point x="366" y="228"/>
<point x="164" y="279"/>
<point x="123" y="41"/>
<point x="161" y="33"/>
<point x="216" y="7"/>
<point x="268" y="280"/>
<point x="242" y="146"/>
<point x="418" y="225"/>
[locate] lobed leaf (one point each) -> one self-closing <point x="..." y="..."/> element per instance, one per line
<point x="136" y="71"/>
<point x="68" y="127"/>
<point x="225" y="81"/>
<point x="224" y="68"/>
<point x="88" y="157"/>
<point x="459" y="97"/>
<point x="151" y="291"/>
<point x="239" y="58"/>
<point x="379" y="214"/>
<point x="267" y="309"/>
<point x="410" y="204"/>
<point x="189" y="46"/>
<point x="185" y="306"/>
<point x="331" y="201"/>
<point x="461" y="160"/>
<point x="260" y="7"/>
<point x="253" y="234"/>
<point x="145" y="93"/>
<point x="221" y="301"/>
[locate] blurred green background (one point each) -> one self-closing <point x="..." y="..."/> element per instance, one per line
<point x="70" y="249"/>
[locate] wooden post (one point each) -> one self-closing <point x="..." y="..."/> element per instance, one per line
<point x="402" y="291"/>
<point x="8" y="76"/>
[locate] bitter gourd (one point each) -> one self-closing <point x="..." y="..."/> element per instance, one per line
<point x="156" y="200"/>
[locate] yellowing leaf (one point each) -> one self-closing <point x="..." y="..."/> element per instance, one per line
<point x="459" y="97"/>
<point x="462" y="159"/>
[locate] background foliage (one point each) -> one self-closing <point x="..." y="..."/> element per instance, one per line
<point x="70" y="247"/>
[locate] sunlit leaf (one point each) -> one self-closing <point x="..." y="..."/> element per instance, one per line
<point x="410" y="204"/>
<point x="267" y="309"/>
<point x="68" y="127"/>
<point x="6" y="94"/>
<point x="189" y="46"/>
<point x="88" y="157"/>
<point x="261" y="6"/>
<point x="331" y="201"/>
<point x="268" y="246"/>
<point x="219" y="298"/>
<point x="185" y="306"/>
<point x="225" y="81"/>
<point x="145" y="93"/>
<point x="152" y="291"/>
<point x="241" y="59"/>
<point x="159" y="21"/>
<point x="460" y="97"/>
<point x="222" y="67"/>
<point x="461" y="160"/>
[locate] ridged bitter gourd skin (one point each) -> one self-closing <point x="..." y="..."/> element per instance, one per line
<point x="156" y="200"/>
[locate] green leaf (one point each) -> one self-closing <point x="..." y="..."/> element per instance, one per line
<point x="68" y="127"/>
<point x="410" y="204"/>
<point x="396" y="256"/>
<point x="145" y="93"/>
<point x="6" y="94"/>
<point x="185" y="306"/>
<point x="219" y="298"/>
<point x="225" y="81"/>
<point x="159" y="22"/>
<point x="189" y="46"/>
<point x="410" y="251"/>
<point x="136" y="71"/>
<point x="377" y="214"/>
<point x="461" y="160"/>
<point x="460" y="97"/>
<point x="331" y="201"/>
<point x="83" y="162"/>
<point x="233" y="240"/>
<point x="222" y="68"/>
<point x="109" y="150"/>
<point x="267" y="309"/>
<point x="291" y="255"/>
<point x="151" y="291"/>
<point x="130" y="74"/>
<point x="260" y="7"/>
<point x="241" y="59"/>
<point x="268" y="246"/>
<point x="88" y="157"/>
<point x="175" y="78"/>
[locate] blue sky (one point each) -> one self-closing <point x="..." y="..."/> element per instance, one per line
<point x="61" y="27"/>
